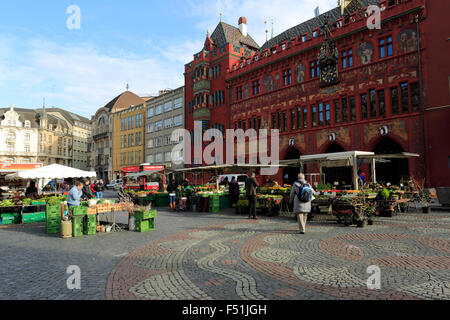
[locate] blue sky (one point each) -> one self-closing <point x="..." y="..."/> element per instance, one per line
<point x="143" y="42"/>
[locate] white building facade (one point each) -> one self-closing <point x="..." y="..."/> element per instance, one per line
<point x="18" y="136"/>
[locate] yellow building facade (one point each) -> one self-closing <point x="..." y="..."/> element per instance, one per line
<point x="128" y="139"/>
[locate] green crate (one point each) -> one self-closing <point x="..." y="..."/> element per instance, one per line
<point x="8" y="221"/>
<point x="91" y="218"/>
<point x="38" y="203"/>
<point x="53" y="223"/>
<point x="78" y="220"/>
<point x="77" y="231"/>
<point x="77" y="234"/>
<point x="40" y="215"/>
<point x="79" y="211"/>
<point x="53" y="231"/>
<point x="90" y="230"/>
<point x="144" y="215"/>
<point x="162" y="202"/>
<point x="53" y="214"/>
<point x="225" y="202"/>
<point x="214" y="209"/>
<point x="53" y="208"/>
<point x="53" y="227"/>
<point x="142" y="226"/>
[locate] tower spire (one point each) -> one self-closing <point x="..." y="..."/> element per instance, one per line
<point x="128" y="86"/>
<point x="267" y="31"/>
<point x="272" y="30"/>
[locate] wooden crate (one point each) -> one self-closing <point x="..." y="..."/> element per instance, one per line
<point x="118" y="207"/>
<point x="92" y="211"/>
<point x="103" y="208"/>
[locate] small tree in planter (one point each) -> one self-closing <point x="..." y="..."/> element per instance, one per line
<point x="364" y="210"/>
<point x="422" y="196"/>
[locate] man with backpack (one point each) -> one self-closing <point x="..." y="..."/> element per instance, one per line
<point x="301" y="197"/>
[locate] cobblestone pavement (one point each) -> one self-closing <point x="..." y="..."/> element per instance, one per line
<point x="223" y="256"/>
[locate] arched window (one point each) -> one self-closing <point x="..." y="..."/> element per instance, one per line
<point x="27" y="124"/>
<point x="27" y="137"/>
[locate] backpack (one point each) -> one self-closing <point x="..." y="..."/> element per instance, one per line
<point x="305" y="193"/>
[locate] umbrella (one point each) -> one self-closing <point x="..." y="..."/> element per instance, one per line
<point x="54" y="171"/>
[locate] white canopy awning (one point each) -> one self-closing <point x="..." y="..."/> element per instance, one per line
<point x="338" y="156"/>
<point x="54" y="171"/>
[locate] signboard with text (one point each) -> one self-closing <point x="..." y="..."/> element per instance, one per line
<point x="14" y="167"/>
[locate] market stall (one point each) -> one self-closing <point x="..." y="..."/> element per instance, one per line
<point x="25" y="210"/>
<point x="357" y="206"/>
<point x="215" y="197"/>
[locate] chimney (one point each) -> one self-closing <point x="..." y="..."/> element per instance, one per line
<point x="243" y="26"/>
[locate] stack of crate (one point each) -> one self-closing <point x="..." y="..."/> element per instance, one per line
<point x="33" y="217"/>
<point x="144" y="220"/>
<point x="90" y="224"/>
<point x="78" y="220"/>
<point x="53" y="219"/>
<point x="10" y="218"/>
<point x="214" y="203"/>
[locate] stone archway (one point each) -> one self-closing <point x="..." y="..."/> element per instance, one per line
<point x="394" y="170"/>
<point x="340" y="175"/>
<point x="290" y="174"/>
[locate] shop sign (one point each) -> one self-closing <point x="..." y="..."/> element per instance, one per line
<point x="19" y="167"/>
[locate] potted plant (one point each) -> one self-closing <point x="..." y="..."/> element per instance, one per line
<point x="363" y="210"/>
<point x="426" y="201"/>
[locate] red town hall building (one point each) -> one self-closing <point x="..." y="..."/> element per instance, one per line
<point x="332" y="84"/>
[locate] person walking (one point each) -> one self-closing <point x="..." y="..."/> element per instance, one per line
<point x="99" y="187"/>
<point x="171" y="189"/>
<point x="250" y="186"/>
<point x="74" y="197"/>
<point x="301" y="197"/>
<point x="234" y="191"/>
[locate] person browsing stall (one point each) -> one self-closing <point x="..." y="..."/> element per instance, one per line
<point x="74" y="197"/>
<point x="87" y="193"/>
<point x="32" y="191"/>
<point x="250" y="186"/>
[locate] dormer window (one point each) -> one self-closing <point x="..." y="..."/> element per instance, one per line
<point x="27" y="124"/>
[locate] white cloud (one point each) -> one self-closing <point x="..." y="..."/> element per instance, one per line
<point x="82" y="78"/>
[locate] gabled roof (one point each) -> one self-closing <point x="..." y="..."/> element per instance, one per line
<point x="24" y="115"/>
<point x="69" y="116"/>
<point x="226" y="33"/>
<point x="123" y="101"/>
<point x="312" y="24"/>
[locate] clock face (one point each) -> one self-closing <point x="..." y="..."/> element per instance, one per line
<point x="329" y="74"/>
